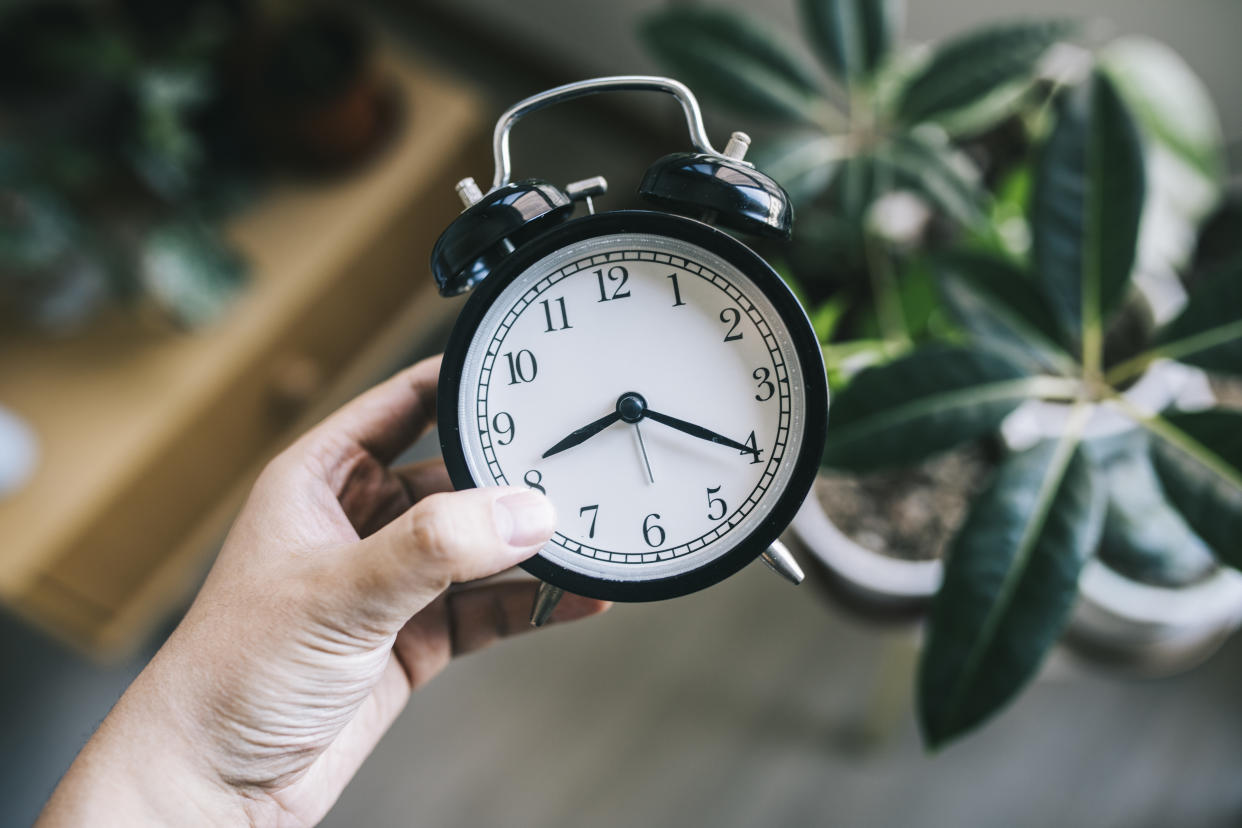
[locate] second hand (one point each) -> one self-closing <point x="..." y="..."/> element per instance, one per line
<point x="643" y="447"/>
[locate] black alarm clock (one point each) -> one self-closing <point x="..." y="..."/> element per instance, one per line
<point x="648" y="372"/>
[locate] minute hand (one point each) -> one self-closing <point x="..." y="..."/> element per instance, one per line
<point x="697" y="431"/>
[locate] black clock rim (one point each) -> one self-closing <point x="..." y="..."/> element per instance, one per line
<point x="806" y="349"/>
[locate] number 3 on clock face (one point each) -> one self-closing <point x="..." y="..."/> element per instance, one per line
<point x="657" y="381"/>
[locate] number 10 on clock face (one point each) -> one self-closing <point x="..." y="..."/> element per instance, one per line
<point x="651" y="388"/>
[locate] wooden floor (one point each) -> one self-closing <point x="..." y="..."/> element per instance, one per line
<point x="758" y="704"/>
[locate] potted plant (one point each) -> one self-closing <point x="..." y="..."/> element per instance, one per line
<point x="1057" y="330"/>
<point x="895" y="151"/>
<point x="128" y="143"/>
<point x="881" y="120"/>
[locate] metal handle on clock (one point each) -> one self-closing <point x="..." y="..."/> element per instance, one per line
<point x="594" y="86"/>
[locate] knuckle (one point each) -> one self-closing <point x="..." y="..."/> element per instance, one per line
<point x="431" y="530"/>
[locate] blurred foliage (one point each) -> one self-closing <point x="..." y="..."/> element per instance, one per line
<point x="129" y="129"/>
<point x="1000" y="220"/>
<point x="1160" y="503"/>
<point x="938" y="127"/>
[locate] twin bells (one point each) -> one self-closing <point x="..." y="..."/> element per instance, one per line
<point x="716" y="187"/>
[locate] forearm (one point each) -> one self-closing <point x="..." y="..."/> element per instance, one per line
<point x="142" y="768"/>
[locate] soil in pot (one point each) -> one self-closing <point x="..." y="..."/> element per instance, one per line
<point x="910" y="513"/>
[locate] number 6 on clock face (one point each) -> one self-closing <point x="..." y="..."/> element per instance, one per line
<point x="657" y="380"/>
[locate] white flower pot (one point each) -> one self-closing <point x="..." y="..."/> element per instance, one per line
<point x="877" y="585"/>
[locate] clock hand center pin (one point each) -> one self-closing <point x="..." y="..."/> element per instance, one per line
<point x="632" y="407"/>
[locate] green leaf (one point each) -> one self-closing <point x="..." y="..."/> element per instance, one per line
<point x="1086" y="204"/>
<point x="37" y="229"/>
<point x="969" y="68"/>
<point x="1010" y="581"/>
<point x="988" y="112"/>
<point x="190" y="271"/>
<point x="931" y="400"/>
<point x="737" y="62"/>
<point x="1145" y="538"/>
<point x="845" y="360"/>
<point x="827" y="315"/>
<point x="933" y="168"/>
<point x="996" y="302"/>
<point x="1208" y="331"/>
<point x="1169" y="101"/>
<point x="1220" y="239"/>
<point x="805" y="164"/>
<point x="852" y="37"/>
<point x="165" y="150"/>
<point x="1198" y="456"/>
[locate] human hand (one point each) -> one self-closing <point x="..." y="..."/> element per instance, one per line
<point x="326" y="607"/>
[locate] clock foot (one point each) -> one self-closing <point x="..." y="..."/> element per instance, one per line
<point x="546" y="600"/>
<point x="781" y="561"/>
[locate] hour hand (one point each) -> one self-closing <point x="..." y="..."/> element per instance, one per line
<point x="698" y="431"/>
<point x="583" y="434"/>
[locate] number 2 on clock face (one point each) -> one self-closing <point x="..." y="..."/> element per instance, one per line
<point x="667" y="321"/>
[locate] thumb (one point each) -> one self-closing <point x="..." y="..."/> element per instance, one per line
<point x="447" y="537"/>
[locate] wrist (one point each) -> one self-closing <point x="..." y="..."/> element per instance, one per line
<point x="141" y="767"/>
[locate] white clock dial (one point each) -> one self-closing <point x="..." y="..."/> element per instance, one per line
<point x="705" y="349"/>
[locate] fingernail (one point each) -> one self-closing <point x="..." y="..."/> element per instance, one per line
<point x="524" y="518"/>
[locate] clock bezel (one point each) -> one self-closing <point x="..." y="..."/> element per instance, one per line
<point x="806" y="350"/>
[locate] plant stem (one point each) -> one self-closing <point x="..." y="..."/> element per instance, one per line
<point x="830" y="117"/>
<point x="1060" y="389"/>
<point x="1131" y="367"/>
<point x="1174" y="350"/>
<point x="1091" y="274"/>
<point x="883" y="284"/>
<point x="884" y="287"/>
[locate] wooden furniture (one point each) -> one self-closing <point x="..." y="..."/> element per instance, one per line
<point x="150" y="439"/>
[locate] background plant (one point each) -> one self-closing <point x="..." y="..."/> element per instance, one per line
<point x="1155" y="499"/>
<point x="131" y="129"/>
<point x="888" y="139"/>
<point x="109" y="182"/>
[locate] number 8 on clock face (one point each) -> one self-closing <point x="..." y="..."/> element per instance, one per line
<point x="657" y="380"/>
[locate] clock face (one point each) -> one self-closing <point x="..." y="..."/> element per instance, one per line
<point x="652" y="388"/>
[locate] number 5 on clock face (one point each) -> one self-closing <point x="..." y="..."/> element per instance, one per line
<point x="655" y="390"/>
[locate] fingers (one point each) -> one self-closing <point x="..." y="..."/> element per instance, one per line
<point x="459" y="536"/>
<point x="387" y="419"/>
<point x="472" y="619"/>
<point x="375" y="498"/>
<point x="424" y="478"/>
<point x="483" y="616"/>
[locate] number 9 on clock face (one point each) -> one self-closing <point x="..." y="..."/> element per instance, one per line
<point x="657" y="380"/>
